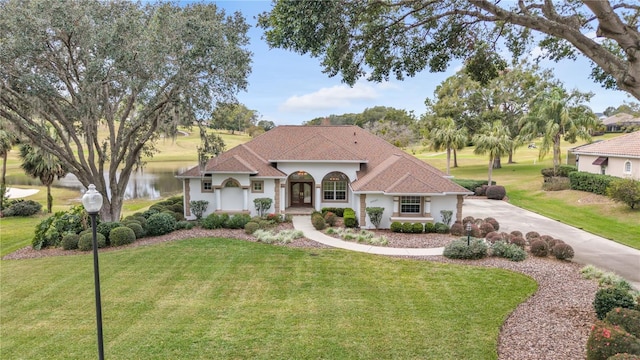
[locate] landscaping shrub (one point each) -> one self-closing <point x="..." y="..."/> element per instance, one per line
<point x="318" y="221"/>
<point x="214" y="221"/>
<point x="85" y="242"/>
<point x="628" y="319"/>
<point x="606" y="340"/>
<point x="198" y="207"/>
<point x="517" y="233"/>
<point x="508" y="251"/>
<point x="262" y="205"/>
<point x="594" y="183"/>
<point x="458" y="229"/>
<point x="607" y="299"/>
<point x="480" y="190"/>
<point x="493" y="236"/>
<point x="187" y="225"/>
<point x="556" y="184"/>
<point x="160" y="224"/>
<point x="626" y="191"/>
<point x="396" y="227"/>
<point x="458" y="249"/>
<point x="122" y="236"/>
<point x="331" y="218"/>
<point x="349" y="218"/>
<point x="446" y="216"/>
<point x="336" y="210"/>
<point x="496" y="192"/>
<point x="624" y="357"/>
<point x="554" y="242"/>
<point x="49" y="232"/>
<point x="417" y="228"/>
<point x="547" y="239"/>
<point x="493" y="222"/>
<point x="532" y="235"/>
<point x="375" y="215"/>
<point x="429" y="228"/>
<point x="407" y="228"/>
<point x="475" y="231"/>
<point x="518" y="241"/>
<point x="23" y="208"/>
<point x="562" y="251"/>
<point x="105" y="228"/>
<point x="470" y="184"/>
<point x="70" y="241"/>
<point x="137" y="229"/>
<point x="467" y="219"/>
<point x="237" y="221"/>
<point x="539" y="248"/>
<point x="486" y="228"/>
<point x="251" y="227"/>
<point x="441" y="228"/>
<point x="147" y="213"/>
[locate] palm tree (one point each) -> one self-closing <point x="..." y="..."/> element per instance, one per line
<point x="493" y="139"/>
<point x="40" y="164"/>
<point x="447" y="136"/>
<point x="7" y="140"/>
<point x="555" y="115"/>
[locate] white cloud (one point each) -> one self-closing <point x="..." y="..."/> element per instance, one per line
<point x="338" y="96"/>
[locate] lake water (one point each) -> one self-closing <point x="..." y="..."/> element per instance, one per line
<point x="148" y="184"/>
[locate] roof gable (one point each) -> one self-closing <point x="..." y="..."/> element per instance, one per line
<point x="627" y="145"/>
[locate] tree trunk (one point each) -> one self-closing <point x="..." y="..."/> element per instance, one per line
<point x="448" y="160"/>
<point x="455" y="158"/>
<point x="496" y="163"/>
<point x="49" y="199"/>
<point x="4" y="168"/>
<point x="491" y="160"/>
<point x="511" y="156"/>
<point x="556" y="153"/>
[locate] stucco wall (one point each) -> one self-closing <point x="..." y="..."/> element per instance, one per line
<point x="615" y="166"/>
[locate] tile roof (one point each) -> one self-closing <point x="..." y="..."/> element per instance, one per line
<point x="620" y="118"/>
<point x="627" y="145"/>
<point x="385" y="167"/>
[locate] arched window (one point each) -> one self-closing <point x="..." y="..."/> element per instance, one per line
<point x="231" y="183"/>
<point x="334" y="187"/>
<point x="627" y="167"/>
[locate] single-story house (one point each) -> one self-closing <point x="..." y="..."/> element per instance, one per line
<point x="619" y="121"/>
<point x="306" y="168"/>
<point x="619" y="156"/>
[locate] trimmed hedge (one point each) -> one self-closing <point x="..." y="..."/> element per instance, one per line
<point x="85" y="242"/>
<point x="349" y="218"/>
<point x="458" y="249"/>
<point x="70" y="241"/>
<point x="608" y="299"/>
<point x="23" y="208"/>
<point x="122" y="236"/>
<point x="471" y="184"/>
<point x="496" y="192"/>
<point x="336" y="210"/>
<point x="160" y="224"/>
<point x="594" y="183"/>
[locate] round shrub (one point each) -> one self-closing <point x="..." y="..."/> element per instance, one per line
<point x="628" y="319"/>
<point x="493" y="236"/>
<point x="539" y="248"/>
<point x="142" y="220"/>
<point x="508" y="251"/>
<point x="122" y="236"/>
<point x="137" y="229"/>
<point x="554" y="242"/>
<point x="458" y="249"/>
<point x="407" y="228"/>
<point x="547" y="239"/>
<point x="23" y="208"/>
<point x="264" y="224"/>
<point x="486" y="228"/>
<point x="330" y="218"/>
<point x="70" y="241"/>
<point x="457" y="229"/>
<point x="417" y="228"/>
<point x="493" y="222"/>
<point x="396" y="227"/>
<point x="562" y="251"/>
<point x="518" y="241"/>
<point x="531" y="235"/>
<point x="105" y="228"/>
<point x="467" y="219"/>
<point x="251" y="227"/>
<point x="85" y="242"/>
<point x="184" y="224"/>
<point x="160" y="224"/>
<point x="475" y="231"/>
<point x="318" y="221"/>
<point x="608" y="299"/>
<point x="429" y="228"/>
<point x="442" y="228"/>
<point x="496" y="192"/>
<point x="237" y="221"/>
<point x="606" y="340"/>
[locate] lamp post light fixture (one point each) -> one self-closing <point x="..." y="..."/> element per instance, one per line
<point x="92" y="201"/>
<point x="468" y="233"/>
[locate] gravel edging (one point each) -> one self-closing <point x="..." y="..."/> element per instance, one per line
<point x="554" y="323"/>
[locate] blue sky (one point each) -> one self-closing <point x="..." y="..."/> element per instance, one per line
<point x="288" y="88"/>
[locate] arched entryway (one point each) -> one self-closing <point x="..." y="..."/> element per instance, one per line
<point x="300" y="189"/>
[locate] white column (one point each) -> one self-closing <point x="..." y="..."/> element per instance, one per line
<point x="396" y="206"/>
<point x="427" y="205"/>
<point x="318" y="191"/>
<point x="216" y="193"/>
<point x="245" y="196"/>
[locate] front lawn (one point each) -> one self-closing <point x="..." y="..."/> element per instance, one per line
<point x="221" y="299"/>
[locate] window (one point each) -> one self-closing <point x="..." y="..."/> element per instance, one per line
<point x="257" y="186"/>
<point x="334" y="187"/>
<point x="410" y="205"/>
<point x="603" y="170"/>
<point x="207" y="185"/>
<point x="231" y="183"/>
<point x="627" y="167"/>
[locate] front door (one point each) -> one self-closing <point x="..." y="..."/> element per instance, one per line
<point x="301" y="194"/>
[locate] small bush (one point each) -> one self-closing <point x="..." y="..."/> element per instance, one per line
<point x="518" y="241"/>
<point x="517" y="233"/>
<point x="417" y="228"/>
<point x="470" y="184"/>
<point x="608" y="299"/>
<point x="137" y="229"/>
<point x="547" y="239"/>
<point x="493" y="222"/>
<point x="467" y="219"/>
<point x="70" y="241"/>
<point x="496" y="192"/>
<point x="237" y="221"/>
<point x="458" y="249"/>
<point x="429" y="228"/>
<point x="480" y="190"/>
<point x="606" y="340"/>
<point x="122" y="236"/>
<point x="214" y="221"/>
<point x="251" y="227"/>
<point x="531" y="235"/>
<point x="446" y="216"/>
<point x="594" y="183"/>
<point x="562" y="251"/>
<point x="198" y="207"/>
<point x="626" y="191"/>
<point x="330" y="218"/>
<point x="458" y="229"/>
<point x="628" y="319"/>
<point x="85" y="242"/>
<point x="375" y="215"/>
<point x="349" y="218"/>
<point x="493" y="236"/>
<point x="160" y="224"/>
<point x="105" y="228"/>
<point x="441" y="228"/>
<point x="262" y="205"/>
<point x="539" y="248"/>
<point x="508" y="251"/>
<point x="486" y="228"/>
<point x="318" y="222"/>
<point x="396" y="227"/>
<point x="23" y="208"/>
<point x="407" y="227"/>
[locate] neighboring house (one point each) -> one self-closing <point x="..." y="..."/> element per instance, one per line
<point x="619" y="156"/>
<point x="618" y="122"/>
<point x="306" y="168"/>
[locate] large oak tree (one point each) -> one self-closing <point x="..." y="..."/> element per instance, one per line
<point x="399" y="38"/>
<point x="111" y="76"/>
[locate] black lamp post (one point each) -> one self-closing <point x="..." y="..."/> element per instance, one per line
<point x="92" y="201"/>
<point x="468" y="233"/>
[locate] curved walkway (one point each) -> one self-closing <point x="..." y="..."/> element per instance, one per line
<point x="303" y="223"/>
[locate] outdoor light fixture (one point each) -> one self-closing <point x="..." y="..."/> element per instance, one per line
<point x="468" y="233"/>
<point x="92" y="201"/>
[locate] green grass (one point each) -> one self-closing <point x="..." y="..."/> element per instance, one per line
<point x="222" y="299"/>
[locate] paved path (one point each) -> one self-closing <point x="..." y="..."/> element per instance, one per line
<point x="589" y="248"/>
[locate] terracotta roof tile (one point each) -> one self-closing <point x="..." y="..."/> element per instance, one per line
<point x="627" y="145"/>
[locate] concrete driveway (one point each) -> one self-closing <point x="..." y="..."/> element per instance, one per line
<point x="589" y="249"/>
